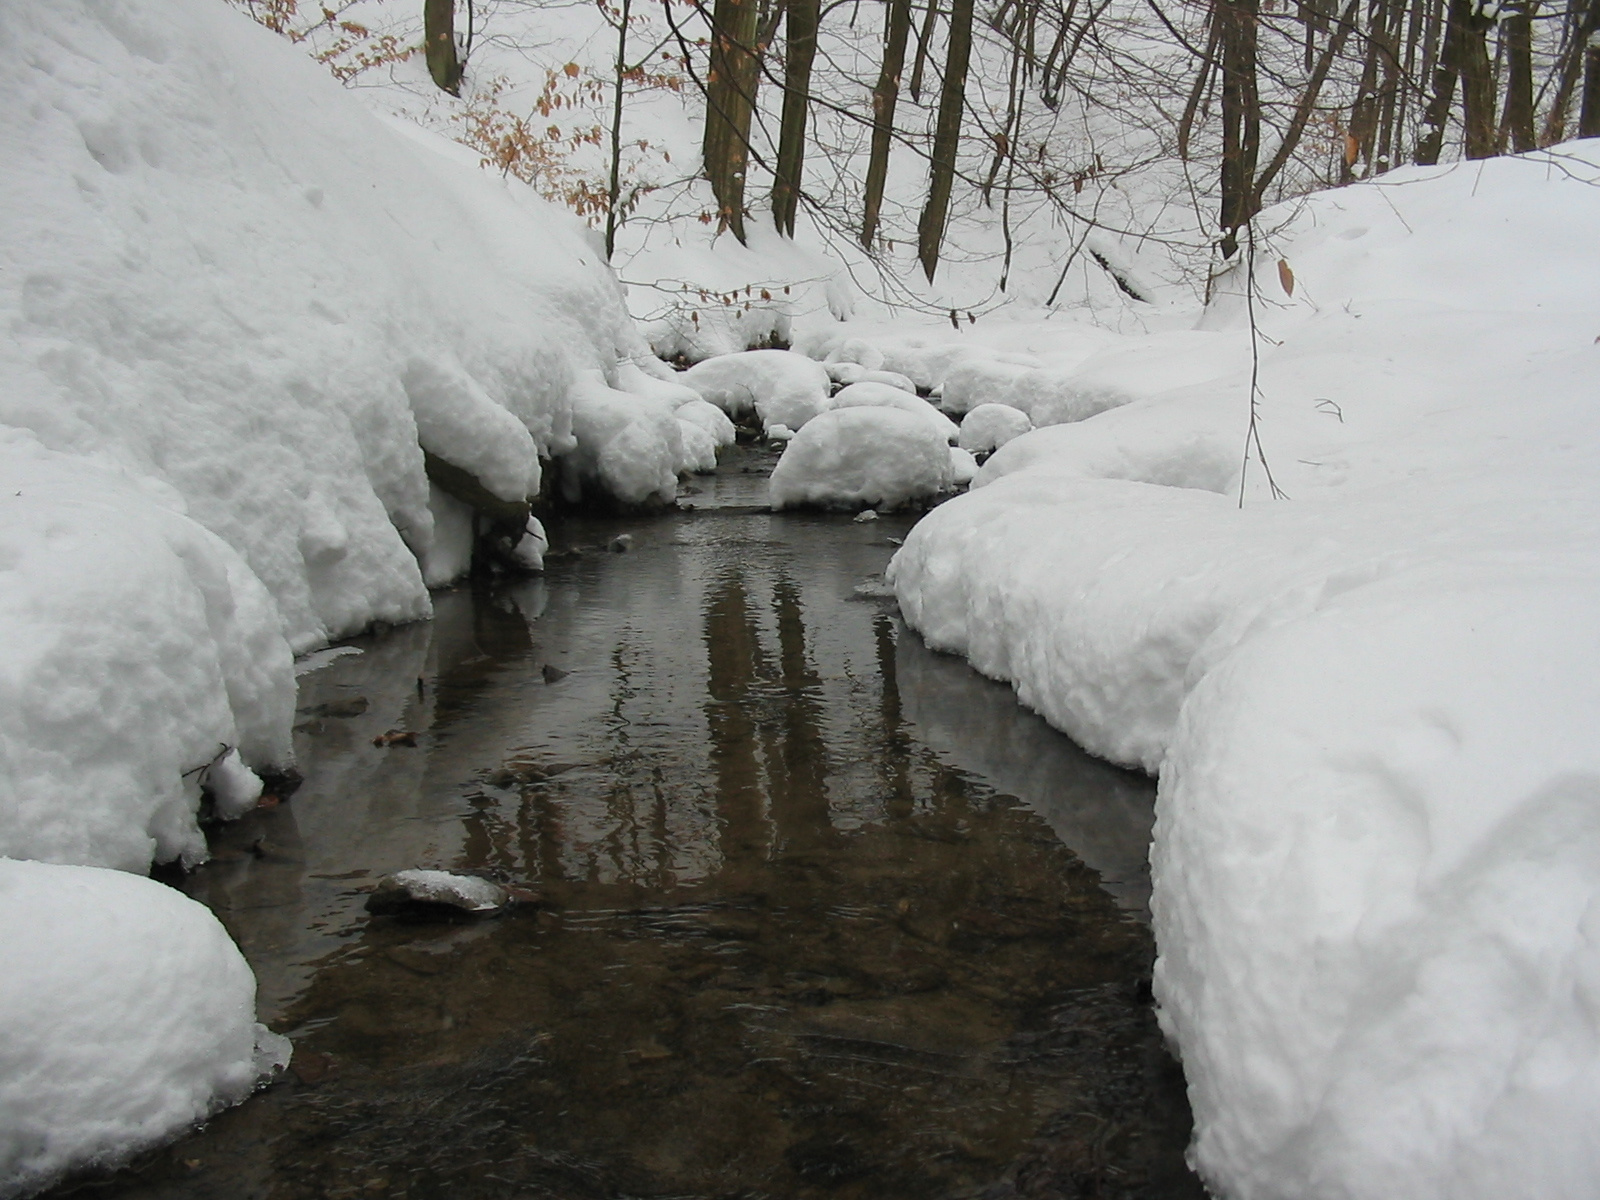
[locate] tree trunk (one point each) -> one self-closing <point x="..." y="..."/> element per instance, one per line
<point x="946" y="138"/>
<point x="1589" y="112"/>
<point x="1582" y="25"/>
<point x="439" y="43"/>
<point x="1518" y="40"/>
<point x="730" y="101"/>
<point x="885" y="96"/>
<point x="800" y="49"/>
<point x="1477" y="81"/>
<point x="619" y="79"/>
<point x="1241" y="115"/>
<point x="924" y="40"/>
<point x="1436" y="117"/>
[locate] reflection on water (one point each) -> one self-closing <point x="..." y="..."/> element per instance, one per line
<point x="807" y="928"/>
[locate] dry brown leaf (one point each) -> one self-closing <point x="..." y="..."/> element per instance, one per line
<point x="1286" y="276"/>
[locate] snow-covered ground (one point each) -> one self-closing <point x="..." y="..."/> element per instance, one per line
<point x="1371" y="704"/>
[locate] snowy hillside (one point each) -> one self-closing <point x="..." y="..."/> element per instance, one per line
<point x="1371" y="703"/>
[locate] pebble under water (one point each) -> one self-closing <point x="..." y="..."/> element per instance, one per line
<point x="819" y="913"/>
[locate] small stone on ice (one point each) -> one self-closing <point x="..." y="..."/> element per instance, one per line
<point x="868" y="514"/>
<point x="420" y="891"/>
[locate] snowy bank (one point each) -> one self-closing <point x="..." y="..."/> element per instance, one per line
<point x="128" y="1016"/>
<point x="1371" y="706"/>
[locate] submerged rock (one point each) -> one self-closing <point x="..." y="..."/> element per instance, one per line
<point x="419" y="893"/>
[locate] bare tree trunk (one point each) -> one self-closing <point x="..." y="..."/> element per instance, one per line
<point x="1436" y="117"/>
<point x="1364" y="112"/>
<point x="884" y="99"/>
<point x="924" y="39"/>
<point x="619" y="81"/>
<point x="439" y="42"/>
<point x="730" y="101"/>
<point x="800" y="49"/>
<point x="1241" y="115"/>
<point x="1581" y="23"/>
<point x="1307" y="105"/>
<point x="1202" y="77"/>
<point x="946" y="137"/>
<point x="1589" y="111"/>
<point x="1477" y="81"/>
<point x="1518" y="40"/>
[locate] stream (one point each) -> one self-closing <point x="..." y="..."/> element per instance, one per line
<point x="820" y="913"/>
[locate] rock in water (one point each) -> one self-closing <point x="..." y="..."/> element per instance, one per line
<point x="420" y="893"/>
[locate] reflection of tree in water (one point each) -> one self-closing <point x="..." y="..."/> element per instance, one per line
<point x="894" y="1010"/>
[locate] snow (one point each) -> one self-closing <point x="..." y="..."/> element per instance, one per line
<point x="710" y="418"/>
<point x="630" y="447"/>
<point x="867" y="457"/>
<point x="129" y="1015"/>
<point x="1371" y="706"/>
<point x="779" y="386"/>
<point x="869" y="394"/>
<point x="988" y="426"/>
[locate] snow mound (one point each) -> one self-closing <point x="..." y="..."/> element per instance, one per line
<point x="870" y="457"/>
<point x="989" y="426"/>
<point x="629" y="447"/>
<point x="710" y="418"/>
<point x="881" y="395"/>
<point x="129" y="1015"/>
<point x="699" y="448"/>
<point x="1371" y="707"/>
<point x="779" y="386"/>
<point x="136" y="648"/>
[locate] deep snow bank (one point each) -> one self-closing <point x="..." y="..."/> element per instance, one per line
<point x="252" y="306"/>
<point x="1377" y="856"/>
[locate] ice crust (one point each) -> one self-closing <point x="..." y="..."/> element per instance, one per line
<point x="1371" y="706"/>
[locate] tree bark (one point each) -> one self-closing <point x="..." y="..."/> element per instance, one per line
<point x="730" y="101"/>
<point x="439" y="44"/>
<point x="1477" y="80"/>
<point x="1589" y="112"/>
<point x="1241" y="115"/>
<point x="1518" y="41"/>
<point x="885" y="97"/>
<point x="800" y="50"/>
<point x="946" y="138"/>
<point x="1436" y="116"/>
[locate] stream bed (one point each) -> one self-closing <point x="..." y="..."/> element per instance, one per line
<point x="819" y="913"/>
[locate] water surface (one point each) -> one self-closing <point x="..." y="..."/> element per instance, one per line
<point x="820" y="913"/>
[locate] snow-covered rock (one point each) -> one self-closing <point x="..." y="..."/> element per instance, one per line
<point x="699" y="448"/>
<point x="867" y="394"/>
<point x="1371" y="707"/>
<point x="126" y="1016"/>
<point x="989" y="426"/>
<point x="629" y="446"/>
<point x="862" y="457"/>
<point x="779" y="386"/>
<point x="414" y="890"/>
<point x="711" y="419"/>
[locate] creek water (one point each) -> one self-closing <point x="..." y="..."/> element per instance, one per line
<point x="820" y="913"/>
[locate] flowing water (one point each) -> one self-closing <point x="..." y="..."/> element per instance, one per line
<point x="819" y="913"/>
